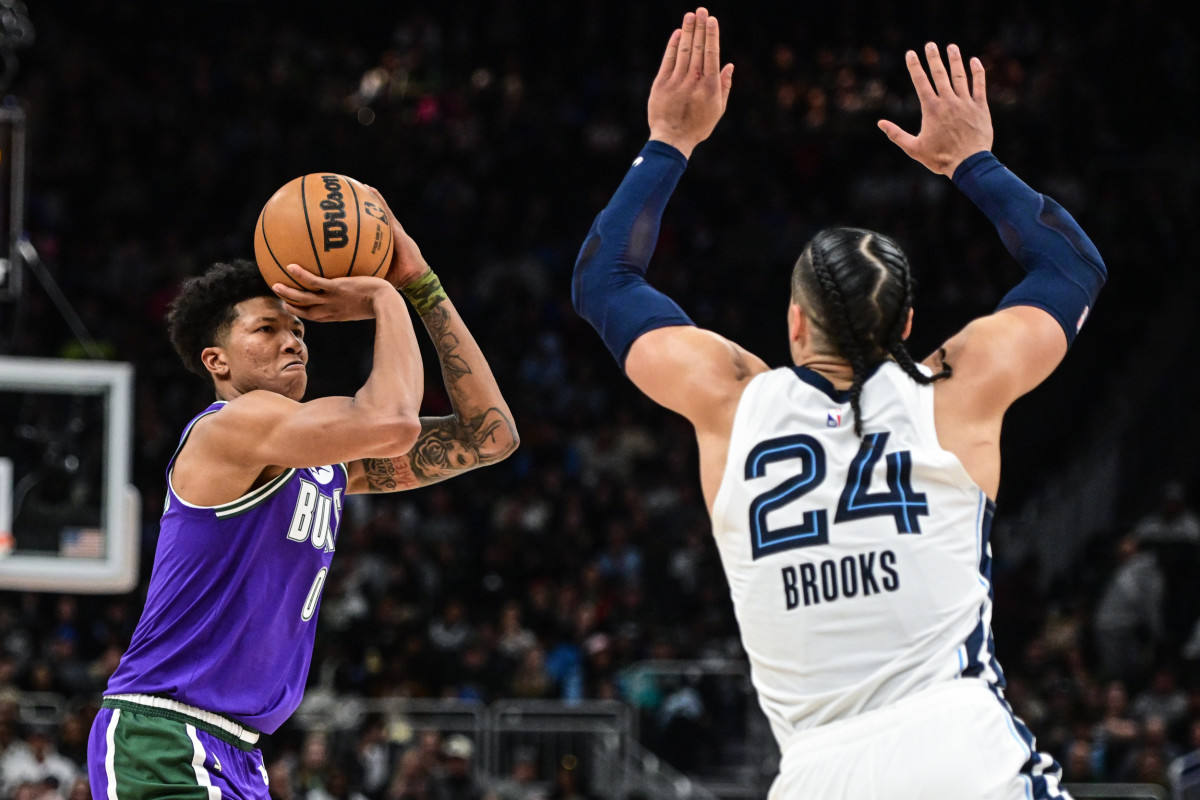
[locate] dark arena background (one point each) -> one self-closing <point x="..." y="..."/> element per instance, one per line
<point x="565" y="611"/>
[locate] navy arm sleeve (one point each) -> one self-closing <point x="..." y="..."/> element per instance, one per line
<point x="609" y="287"/>
<point x="1063" y="269"/>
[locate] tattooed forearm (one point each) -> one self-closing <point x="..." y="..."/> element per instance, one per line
<point x="454" y="366"/>
<point x="449" y="445"/>
<point x="388" y="474"/>
<point x="445" y="448"/>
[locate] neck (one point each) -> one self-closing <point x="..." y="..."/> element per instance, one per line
<point x="837" y="371"/>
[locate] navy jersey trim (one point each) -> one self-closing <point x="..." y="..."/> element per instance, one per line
<point x="1041" y="772"/>
<point x="823" y="384"/>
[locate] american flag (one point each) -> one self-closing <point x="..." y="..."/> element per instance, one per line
<point x="81" y="543"/>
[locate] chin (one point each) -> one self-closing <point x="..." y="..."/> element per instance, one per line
<point x="296" y="390"/>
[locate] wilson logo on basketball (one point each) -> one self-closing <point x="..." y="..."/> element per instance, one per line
<point x="334" y="229"/>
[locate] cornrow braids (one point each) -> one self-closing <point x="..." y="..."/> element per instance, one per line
<point x="895" y="344"/>
<point x="849" y="343"/>
<point x="857" y="288"/>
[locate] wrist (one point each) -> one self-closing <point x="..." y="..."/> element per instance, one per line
<point x="424" y="293"/>
<point x="682" y="145"/>
<point x="969" y="165"/>
<point x="408" y="280"/>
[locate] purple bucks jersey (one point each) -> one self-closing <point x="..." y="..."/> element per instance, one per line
<point x="231" y="612"/>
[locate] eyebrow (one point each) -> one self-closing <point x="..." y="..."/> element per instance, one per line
<point x="273" y="318"/>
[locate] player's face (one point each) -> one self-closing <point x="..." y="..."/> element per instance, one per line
<point x="266" y="350"/>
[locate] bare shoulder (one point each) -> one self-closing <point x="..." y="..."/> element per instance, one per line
<point x="230" y="435"/>
<point x="695" y="372"/>
<point x="218" y="462"/>
<point x="993" y="361"/>
<point x="997" y="358"/>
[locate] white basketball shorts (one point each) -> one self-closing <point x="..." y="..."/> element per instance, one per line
<point x="956" y="740"/>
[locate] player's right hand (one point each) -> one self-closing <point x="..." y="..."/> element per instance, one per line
<point x="955" y="120"/>
<point x="407" y="262"/>
<point x="691" y="89"/>
<point x="331" y="300"/>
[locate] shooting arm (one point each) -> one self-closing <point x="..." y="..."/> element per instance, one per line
<point x="481" y="429"/>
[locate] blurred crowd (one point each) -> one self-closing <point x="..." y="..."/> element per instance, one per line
<point x="156" y="132"/>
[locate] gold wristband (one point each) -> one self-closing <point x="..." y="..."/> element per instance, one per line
<point x="425" y="292"/>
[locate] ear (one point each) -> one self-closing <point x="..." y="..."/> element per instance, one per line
<point x="907" y="325"/>
<point x="797" y="323"/>
<point x="213" y="359"/>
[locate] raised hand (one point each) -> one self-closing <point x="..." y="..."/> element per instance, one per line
<point x="407" y="262"/>
<point x="691" y="89"/>
<point x="955" y="121"/>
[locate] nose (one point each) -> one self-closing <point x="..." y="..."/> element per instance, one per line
<point x="293" y="343"/>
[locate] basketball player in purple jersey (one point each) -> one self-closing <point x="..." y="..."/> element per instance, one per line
<point x="254" y="500"/>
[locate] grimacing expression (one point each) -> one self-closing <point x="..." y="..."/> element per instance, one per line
<point x="265" y="349"/>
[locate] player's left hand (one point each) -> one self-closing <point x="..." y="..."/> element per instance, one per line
<point x="955" y="120"/>
<point x="407" y="262"/>
<point x="330" y="300"/>
<point x="691" y="89"/>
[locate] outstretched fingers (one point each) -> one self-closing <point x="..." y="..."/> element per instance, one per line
<point x="978" y="83"/>
<point x="925" y="92"/>
<point x="958" y="73"/>
<point x="937" y="70"/>
<point x="670" y="56"/>
<point x="699" y="35"/>
<point x="712" y="48"/>
<point x="683" y="61"/>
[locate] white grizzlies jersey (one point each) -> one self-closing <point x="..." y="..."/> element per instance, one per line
<point x="859" y="567"/>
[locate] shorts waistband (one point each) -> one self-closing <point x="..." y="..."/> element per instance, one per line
<point x="218" y="725"/>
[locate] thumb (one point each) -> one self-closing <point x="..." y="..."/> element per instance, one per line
<point x="726" y="82"/>
<point x="904" y="140"/>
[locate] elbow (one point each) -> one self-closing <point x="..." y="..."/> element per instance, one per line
<point x="513" y="443"/>
<point x="504" y="442"/>
<point x="398" y="433"/>
<point x="579" y="290"/>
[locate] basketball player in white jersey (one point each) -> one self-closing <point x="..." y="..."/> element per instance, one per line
<point x="851" y="493"/>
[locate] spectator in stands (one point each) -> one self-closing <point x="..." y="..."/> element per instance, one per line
<point x="373" y="756"/>
<point x="1080" y="761"/>
<point x="515" y="638"/>
<point x="337" y="787"/>
<point x="450" y="631"/>
<point x="312" y="773"/>
<point x="412" y="780"/>
<point x="36" y="762"/>
<point x="1116" y="734"/>
<point x="281" y="779"/>
<point x="570" y="783"/>
<point x="522" y="782"/>
<point x="1173" y="521"/>
<point x="1172" y="532"/>
<point x="1129" y="618"/>
<point x="457" y="782"/>
<point x="1152" y="752"/>
<point x="1162" y="698"/>
<point x="621" y="561"/>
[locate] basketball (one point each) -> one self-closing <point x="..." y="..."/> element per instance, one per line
<point x="330" y="224"/>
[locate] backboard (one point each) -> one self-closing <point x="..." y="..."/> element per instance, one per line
<point x="66" y="502"/>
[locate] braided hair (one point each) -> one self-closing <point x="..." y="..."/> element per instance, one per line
<point x="856" y="286"/>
